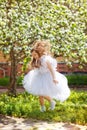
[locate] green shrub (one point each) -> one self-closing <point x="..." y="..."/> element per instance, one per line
<point x="19" y="81"/>
<point x="4" y="81"/>
<point x="73" y="110"/>
<point x="77" y="79"/>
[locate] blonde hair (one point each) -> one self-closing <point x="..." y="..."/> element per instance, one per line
<point x="46" y="44"/>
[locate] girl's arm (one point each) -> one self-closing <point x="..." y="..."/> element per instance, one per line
<point x="51" y="71"/>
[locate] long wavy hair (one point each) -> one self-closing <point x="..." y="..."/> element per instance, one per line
<point x="34" y="62"/>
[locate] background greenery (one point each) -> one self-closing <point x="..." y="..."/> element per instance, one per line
<point x="24" y="105"/>
<point x="63" y="22"/>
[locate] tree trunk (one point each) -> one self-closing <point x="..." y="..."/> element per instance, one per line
<point x="13" y="74"/>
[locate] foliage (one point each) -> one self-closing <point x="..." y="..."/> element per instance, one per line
<point x="77" y="79"/>
<point x="62" y="22"/>
<point x="24" y="105"/>
<point x="5" y="81"/>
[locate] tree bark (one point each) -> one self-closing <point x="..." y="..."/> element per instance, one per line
<point x="13" y="74"/>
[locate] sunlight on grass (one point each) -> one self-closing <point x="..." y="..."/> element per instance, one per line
<point x="25" y="105"/>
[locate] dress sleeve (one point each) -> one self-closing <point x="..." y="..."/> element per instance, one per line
<point x="52" y="61"/>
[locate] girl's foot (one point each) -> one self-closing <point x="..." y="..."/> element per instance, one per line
<point x="52" y="105"/>
<point x="43" y="109"/>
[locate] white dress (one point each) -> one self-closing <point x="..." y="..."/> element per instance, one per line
<point x="40" y="82"/>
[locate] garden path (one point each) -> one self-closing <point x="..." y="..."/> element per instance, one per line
<point x="11" y="123"/>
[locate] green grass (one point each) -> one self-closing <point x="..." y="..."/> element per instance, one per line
<point x="73" y="110"/>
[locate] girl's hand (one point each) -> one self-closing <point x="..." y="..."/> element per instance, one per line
<point x="55" y="81"/>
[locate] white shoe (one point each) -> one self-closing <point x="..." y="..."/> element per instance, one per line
<point x="52" y="105"/>
<point x="43" y="109"/>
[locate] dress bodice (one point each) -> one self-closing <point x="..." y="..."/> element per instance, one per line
<point x="44" y="60"/>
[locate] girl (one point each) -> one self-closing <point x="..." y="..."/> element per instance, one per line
<point x="45" y="81"/>
<point x="56" y="84"/>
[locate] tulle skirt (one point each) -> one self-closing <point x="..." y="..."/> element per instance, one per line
<point x="41" y="84"/>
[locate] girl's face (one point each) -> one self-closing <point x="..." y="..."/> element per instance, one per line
<point x="35" y="55"/>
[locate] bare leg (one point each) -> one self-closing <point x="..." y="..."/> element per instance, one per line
<point x="41" y="100"/>
<point x="47" y="98"/>
<point x="52" y="102"/>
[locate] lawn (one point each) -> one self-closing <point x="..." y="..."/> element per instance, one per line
<point x="73" y="110"/>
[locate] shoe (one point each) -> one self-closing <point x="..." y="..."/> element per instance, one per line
<point x="52" y="105"/>
<point x="43" y="109"/>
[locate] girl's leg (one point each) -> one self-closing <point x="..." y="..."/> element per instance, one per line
<point x="41" y="100"/>
<point x="48" y="98"/>
<point x="52" y="102"/>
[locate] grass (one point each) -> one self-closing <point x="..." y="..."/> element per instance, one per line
<point x="73" y="110"/>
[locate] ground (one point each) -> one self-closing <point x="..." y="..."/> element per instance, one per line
<point x="11" y="123"/>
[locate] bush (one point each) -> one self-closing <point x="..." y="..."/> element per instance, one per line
<point x="19" y="81"/>
<point x="77" y="79"/>
<point x="5" y="81"/>
<point x="73" y="110"/>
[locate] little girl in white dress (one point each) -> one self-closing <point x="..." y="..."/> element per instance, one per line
<point x="45" y="81"/>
